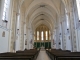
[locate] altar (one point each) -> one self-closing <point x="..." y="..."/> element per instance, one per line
<point x="42" y="48"/>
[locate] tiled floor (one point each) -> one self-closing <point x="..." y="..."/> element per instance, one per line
<point x="43" y="56"/>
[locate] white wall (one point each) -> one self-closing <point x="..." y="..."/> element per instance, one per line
<point x="4" y="41"/>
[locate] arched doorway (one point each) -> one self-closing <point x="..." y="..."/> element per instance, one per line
<point x="42" y="37"/>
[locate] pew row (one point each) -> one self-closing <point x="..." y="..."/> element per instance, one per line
<point x="63" y="55"/>
<point x="20" y="55"/>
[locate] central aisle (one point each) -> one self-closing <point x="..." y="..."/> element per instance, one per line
<point x="43" y="56"/>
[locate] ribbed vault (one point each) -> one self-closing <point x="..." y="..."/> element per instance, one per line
<point x="39" y="12"/>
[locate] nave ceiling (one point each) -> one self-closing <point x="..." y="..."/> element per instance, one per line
<point x="39" y="12"/>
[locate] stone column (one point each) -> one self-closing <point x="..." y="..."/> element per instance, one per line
<point x="21" y="29"/>
<point x="25" y="36"/>
<point x="36" y="37"/>
<point x="48" y="37"/>
<point x="29" y="38"/>
<point x="12" y="37"/>
<point x="44" y="36"/>
<point x="68" y="37"/>
<point x="57" y="37"/>
<point x="72" y="26"/>
<point x="33" y="39"/>
<point x="60" y="35"/>
<point x="52" y="38"/>
<point x="63" y="36"/>
<point x="63" y="30"/>
<point x="40" y="36"/>
<point x="57" y="33"/>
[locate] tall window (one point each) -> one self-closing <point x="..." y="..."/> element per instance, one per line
<point x="42" y="33"/>
<point x="18" y="21"/>
<point x="42" y="36"/>
<point x="67" y="18"/>
<point x="37" y="35"/>
<point x="6" y="6"/>
<point x="78" y="7"/>
<point x="67" y="21"/>
<point x="46" y="35"/>
<point x="5" y="11"/>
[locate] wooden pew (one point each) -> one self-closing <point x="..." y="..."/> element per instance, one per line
<point x="68" y="56"/>
<point x="19" y="55"/>
<point x="16" y="58"/>
<point x="63" y="55"/>
<point x="13" y="56"/>
<point x="32" y="52"/>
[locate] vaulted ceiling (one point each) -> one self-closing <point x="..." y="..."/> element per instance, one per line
<point x="39" y="12"/>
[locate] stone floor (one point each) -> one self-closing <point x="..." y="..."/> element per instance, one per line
<point x="43" y="55"/>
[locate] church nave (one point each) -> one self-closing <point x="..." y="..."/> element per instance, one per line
<point x="27" y="25"/>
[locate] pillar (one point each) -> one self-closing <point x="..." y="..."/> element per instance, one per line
<point x="72" y="26"/>
<point x="12" y="37"/>
<point x="21" y="29"/>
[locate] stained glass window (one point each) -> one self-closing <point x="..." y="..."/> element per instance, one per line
<point x="37" y="35"/>
<point x="46" y="35"/>
<point x="42" y="36"/>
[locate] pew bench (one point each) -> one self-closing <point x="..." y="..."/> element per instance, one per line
<point x="20" y="55"/>
<point x="16" y="58"/>
<point x="63" y="55"/>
